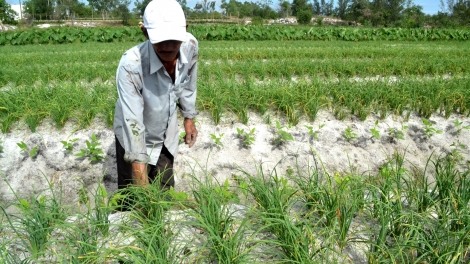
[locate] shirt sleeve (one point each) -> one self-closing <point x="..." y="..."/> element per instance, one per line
<point x="187" y="100"/>
<point x="129" y="83"/>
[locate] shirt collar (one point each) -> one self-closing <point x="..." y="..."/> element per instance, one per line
<point x="156" y="64"/>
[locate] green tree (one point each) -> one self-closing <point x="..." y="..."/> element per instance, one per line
<point x="461" y="12"/>
<point x="304" y="17"/>
<point x="140" y="6"/>
<point x="413" y="17"/>
<point x="232" y="8"/>
<point x="284" y="8"/>
<point x="7" y="15"/>
<point x="342" y="8"/>
<point x="359" y="11"/>
<point x="39" y="9"/>
<point x="298" y="5"/>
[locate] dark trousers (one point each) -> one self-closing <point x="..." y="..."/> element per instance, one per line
<point x="162" y="171"/>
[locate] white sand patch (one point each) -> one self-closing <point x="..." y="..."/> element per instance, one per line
<point x="361" y="155"/>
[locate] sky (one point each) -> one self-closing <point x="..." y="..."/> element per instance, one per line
<point x="430" y="7"/>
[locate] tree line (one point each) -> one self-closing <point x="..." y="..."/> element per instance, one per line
<point x="377" y="13"/>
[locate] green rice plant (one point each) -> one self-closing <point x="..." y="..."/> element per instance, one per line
<point x="1" y="146"/>
<point x="60" y="115"/>
<point x="217" y="139"/>
<point x="92" y="150"/>
<point x="349" y="135"/>
<point x="33" y="120"/>
<point x="452" y="193"/>
<point x="82" y="243"/>
<point x="225" y="233"/>
<point x="282" y="136"/>
<point x="7" y="256"/>
<point x="216" y="112"/>
<point x="36" y="219"/>
<point x="32" y="153"/>
<point x="272" y="195"/>
<point x="247" y="138"/>
<point x="7" y="122"/>
<point x="153" y="238"/>
<point x="350" y="201"/>
<point x="429" y="129"/>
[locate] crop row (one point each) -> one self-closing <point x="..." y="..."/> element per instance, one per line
<point x="232" y="32"/>
<point x="299" y="216"/>
<point x="69" y="101"/>
<point x="273" y="60"/>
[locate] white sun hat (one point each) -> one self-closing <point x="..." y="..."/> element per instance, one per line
<point x="164" y="20"/>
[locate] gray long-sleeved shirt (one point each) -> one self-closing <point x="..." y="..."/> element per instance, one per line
<point x="145" y="115"/>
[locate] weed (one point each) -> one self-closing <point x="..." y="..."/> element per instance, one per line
<point x="247" y="137"/>
<point x="429" y="129"/>
<point x="92" y="151"/>
<point x="1" y="146"/>
<point x="217" y="139"/>
<point x="349" y="135"/>
<point x="30" y="152"/>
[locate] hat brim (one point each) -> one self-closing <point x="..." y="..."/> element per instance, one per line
<point x="160" y="34"/>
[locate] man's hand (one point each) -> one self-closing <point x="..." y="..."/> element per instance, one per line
<point x="139" y="174"/>
<point x="191" y="132"/>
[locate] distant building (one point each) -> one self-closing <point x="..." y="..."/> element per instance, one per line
<point x="19" y="12"/>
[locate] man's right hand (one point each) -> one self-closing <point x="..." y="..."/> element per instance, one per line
<point x="139" y="174"/>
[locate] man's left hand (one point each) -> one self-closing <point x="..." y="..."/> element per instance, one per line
<point x="191" y="132"/>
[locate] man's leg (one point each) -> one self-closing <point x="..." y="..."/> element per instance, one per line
<point x="124" y="168"/>
<point x="164" y="168"/>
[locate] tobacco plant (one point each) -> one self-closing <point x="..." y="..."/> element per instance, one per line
<point x="30" y="152"/>
<point x="312" y="133"/>
<point x="68" y="144"/>
<point x="217" y="139"/>
<point x="92" y="150"/>
<point x="247" y="137"/>
<point x="282" y="135"/>
<point x="349" y="135"/>
<point x="429" y="129"/>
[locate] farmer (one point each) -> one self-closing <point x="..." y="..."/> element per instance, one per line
<point x="153" y="79"/>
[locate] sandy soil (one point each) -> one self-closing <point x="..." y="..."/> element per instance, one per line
<point x="361" y="155"/>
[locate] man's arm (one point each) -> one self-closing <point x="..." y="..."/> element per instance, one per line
<point x="191" y="132"/>
<point x="130" y="114"/>
<point x="139" y="174"/>
<point x="188" y="98"/>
